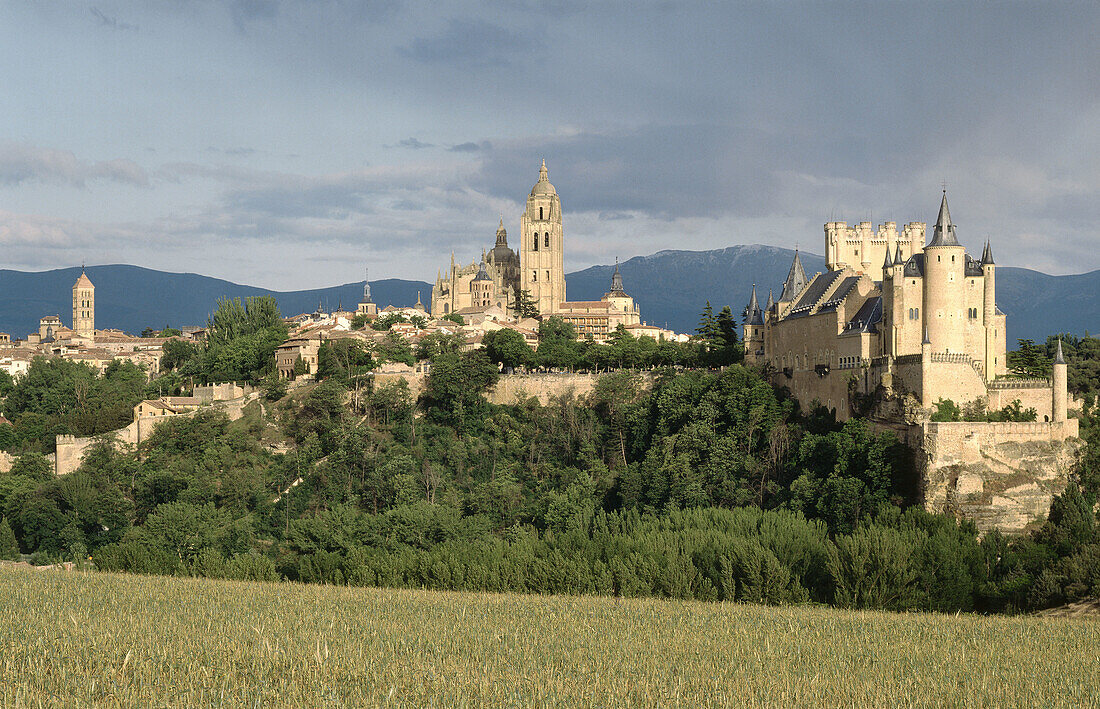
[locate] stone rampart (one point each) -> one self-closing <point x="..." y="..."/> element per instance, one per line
<point x="1000" y="475"/>
<point x="512" y="388"/>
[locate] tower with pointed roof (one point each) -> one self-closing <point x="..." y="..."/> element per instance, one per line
<point x="542" y="246"/>
<point x="367" y="306"/>
<point x="84" y="306"/>
<point x="945" y="262"/>
<point x="753" y="327"/>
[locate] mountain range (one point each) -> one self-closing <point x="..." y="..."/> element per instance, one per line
<point x="670" y="287"/>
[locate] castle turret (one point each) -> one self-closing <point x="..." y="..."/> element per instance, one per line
<point x="753" y="329"/>
<point x="796" y="281"/>
<point x="1060" y="395"/>
<point x="989" y="310"/>
<point x="926" y="371"/>
<point x="944" y="301"/>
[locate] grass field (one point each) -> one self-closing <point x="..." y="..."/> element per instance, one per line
<point x="84" y="639"/>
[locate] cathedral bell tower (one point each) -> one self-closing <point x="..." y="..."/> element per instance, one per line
<point x="542" y="247"/>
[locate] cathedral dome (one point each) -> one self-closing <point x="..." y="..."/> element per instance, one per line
<point x="543" y="186"/>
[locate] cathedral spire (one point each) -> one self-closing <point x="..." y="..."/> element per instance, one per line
<point x="944" y="233"/>
<point x="366" y="285"/>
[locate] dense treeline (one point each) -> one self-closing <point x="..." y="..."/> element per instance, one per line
<point x="705" y="484"/>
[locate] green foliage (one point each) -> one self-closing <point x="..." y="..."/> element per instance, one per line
<point x="1029" y="361"/>
<point x="9" y="548"/>
<point x="7" y="383"/>
<point x="508" y="348"/>
<point x="526" y="307"/>
<point x="387" y="320"/>
<point x="345" y="359"/>
<point x="454" y="389"/>
<point x="455" y="318"/>
<point x="62" y="396"/>
<point x="394" y="348"/>
<point x="558" y="347"/>
<point x="359" y="321"/>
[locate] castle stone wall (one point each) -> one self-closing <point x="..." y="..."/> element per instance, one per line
<point x="999" y="475"/>
<point x="1034" y="395"/>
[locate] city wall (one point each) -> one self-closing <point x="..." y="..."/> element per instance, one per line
<point x="70" y="449"/>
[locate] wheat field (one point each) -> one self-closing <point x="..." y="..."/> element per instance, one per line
<point x="88" y="639"/>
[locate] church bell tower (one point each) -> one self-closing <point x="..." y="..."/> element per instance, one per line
<point x="542" y="247"/>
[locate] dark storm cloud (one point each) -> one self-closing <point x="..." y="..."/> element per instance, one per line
<point x="471" y="43"/>
<point x="687" y="170"/>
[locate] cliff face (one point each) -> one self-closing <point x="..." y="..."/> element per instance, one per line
<point x="1000" y="475"/>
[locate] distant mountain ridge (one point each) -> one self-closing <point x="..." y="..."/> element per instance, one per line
<point x="671" y="288"/>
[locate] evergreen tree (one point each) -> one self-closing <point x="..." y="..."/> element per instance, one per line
<point x="9" y="548"/>
<point x="526" y="307"/>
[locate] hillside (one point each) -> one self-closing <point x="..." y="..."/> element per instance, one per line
<point x="87" y="639"/>
<point x="670" y="286"/>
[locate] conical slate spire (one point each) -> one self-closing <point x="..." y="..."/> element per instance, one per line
<point x="796" y="280"/>
<point x="898" y="260"/>
<point x="771" y="301"/>
<point x="987" y="254"/>
<point x="1058" y="358"/>
<point x="888" y="262"/>
<point x="482" y="274"/>
<point x="944" y="233"/>
<point x="927" y="340"/>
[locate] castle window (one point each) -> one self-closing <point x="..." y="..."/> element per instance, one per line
<point x="546" y="243"/>
<point x="535" y="275"/>
<point x="540" y="212"/>
<point x="952" y="258"/>
<point x="548" y="275"/>
<point x="536" y="242"/>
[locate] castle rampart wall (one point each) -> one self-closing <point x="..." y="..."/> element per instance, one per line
<point x="1000" y="475"/>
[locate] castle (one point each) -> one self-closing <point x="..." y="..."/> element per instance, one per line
<point x="891" y="341"/>
<point x="493" y="288"/>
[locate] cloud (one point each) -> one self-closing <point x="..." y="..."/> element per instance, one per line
<point x="112" y="22"/>
<point x="22" y="164"/>
<point x="471" y="147"/>
<point x="472" y="43"/>
<point x="414" y="144"/>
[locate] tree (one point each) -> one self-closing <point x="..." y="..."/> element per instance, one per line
<point x="558" y="346"/>
<point x="508" y="348"/>
<point x="526" y="307"/>
<point x="9" y="548"/>
<point x="456" y="384"/>
<point x="1029" y="361"/>
<point x="455" y="318"/>
<point x="394" y="348"/>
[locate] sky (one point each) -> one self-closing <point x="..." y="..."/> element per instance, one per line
<point x="291" y="144"/>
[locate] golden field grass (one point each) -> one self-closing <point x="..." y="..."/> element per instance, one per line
<point x="87" y="639"/>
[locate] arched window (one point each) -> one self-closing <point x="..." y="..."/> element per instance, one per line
<point x="546" y="242"/>
<point x="446" y="308"/>
<point x="540" y="212"/>
<point x="536" y="242"/>
<point x="534" y="275"/>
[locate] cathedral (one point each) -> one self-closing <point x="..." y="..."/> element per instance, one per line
<point x="923" y="323"/>
<point x="536" y="273"/>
